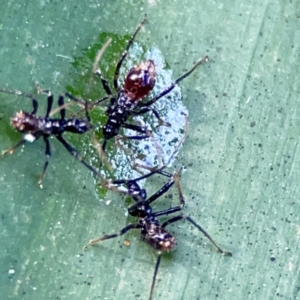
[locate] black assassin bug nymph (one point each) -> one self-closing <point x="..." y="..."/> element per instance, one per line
<point x="33" y="127"/>
<point x="127" y="100"/>
<point x="152" y="231"/>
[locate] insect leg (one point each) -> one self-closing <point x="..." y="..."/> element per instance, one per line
<point x="74" y="153"/>
<point x="124" y="54"/>
<point x="184" y="217"/>
<point x="144" y="130"/>
<point x="111" y="236"/>
<point x="177" y="183"/>
<point x="50" y="99"/>
<point x="96" y="68"/>
<point x="154" y="111"/>
<point x="49" y="106"/>
<point x="154" y="275"/>
<point x="161" y="191"/>
<point x="35" y="106"/>
<point x="47" y="154"/>
<point x="61" y="103"/>
<point x="85" y="103"/>
<point x="104" y="82"/>
<point x="171" y="87"/>
<point x="12" y="149"/>
<point x="100" y="100"/>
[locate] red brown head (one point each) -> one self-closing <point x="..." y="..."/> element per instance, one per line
<point x="140" y="80"/>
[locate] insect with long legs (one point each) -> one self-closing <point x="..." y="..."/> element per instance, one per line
<point x="33" y="127"/>
<point x="127" y="100"/>
<point x="152" y="231"/>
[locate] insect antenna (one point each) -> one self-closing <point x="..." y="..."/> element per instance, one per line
<point x="82" y="102"/>
<point x="16" y="92"/>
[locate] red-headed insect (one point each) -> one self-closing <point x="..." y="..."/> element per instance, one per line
<point x="127" y="100"/>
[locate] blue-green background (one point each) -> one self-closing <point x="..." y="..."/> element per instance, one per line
<point x="242" y="155"/>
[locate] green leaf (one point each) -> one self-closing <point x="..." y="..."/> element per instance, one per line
<point x="241" y="154"/>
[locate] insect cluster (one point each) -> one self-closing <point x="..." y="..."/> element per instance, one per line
<point x="125" y="102"/>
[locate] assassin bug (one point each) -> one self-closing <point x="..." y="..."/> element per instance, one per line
<point x="33" y="127"/>
<point x="152" y="231"/>
<point x="127" y="100"/>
